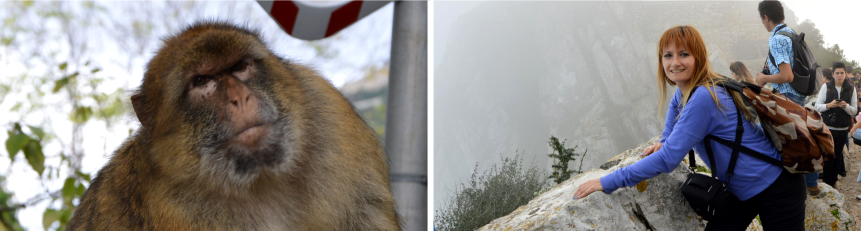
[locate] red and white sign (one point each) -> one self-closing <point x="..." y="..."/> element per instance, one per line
<point x="310" y="20"/>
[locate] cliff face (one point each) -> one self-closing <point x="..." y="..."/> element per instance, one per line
<point x="654" y="204"/>
<point x="512" y="73"/>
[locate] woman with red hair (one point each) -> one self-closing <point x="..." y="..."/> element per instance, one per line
<point x="700" y="108"/>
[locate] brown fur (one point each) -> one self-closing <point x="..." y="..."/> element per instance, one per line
<point x="331" y="175"/>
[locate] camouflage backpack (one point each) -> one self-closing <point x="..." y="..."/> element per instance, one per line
<point x="798" y="133"/>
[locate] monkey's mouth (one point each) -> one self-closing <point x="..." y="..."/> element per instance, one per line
<point x="251" y="135"/>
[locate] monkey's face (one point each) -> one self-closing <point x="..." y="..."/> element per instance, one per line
<point x="211" y="102"/>
<point x="235" y="120"/>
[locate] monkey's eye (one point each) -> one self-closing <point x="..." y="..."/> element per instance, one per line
<point x="239" y="66"/>
<point x="200" y="80"/>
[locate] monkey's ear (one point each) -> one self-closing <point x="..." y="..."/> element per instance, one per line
<point x="138" y="102"/>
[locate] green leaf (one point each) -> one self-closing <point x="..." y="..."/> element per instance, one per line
<point x="6" y="40"/>
<point x="49" y="217"/>
<point x="96" y="70"/>
<point x="82" y="115"/>
<point x="84" y="176"/>
<point x="73" y="75"/>
<point x="80" y="190"/>
<point x="63" y="66"/>
<point x="33" y="153"/>
<point x="16" y="107"/>
<point x="15" y="143"/>
<point x="65" y="216"/>
<point x="37" y="131"/>
<point x="59" y="84"/>
<point x="69" y="189"/>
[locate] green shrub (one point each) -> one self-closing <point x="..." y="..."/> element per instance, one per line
<point x="561" y="156"/>
<point x="495" y="193"/>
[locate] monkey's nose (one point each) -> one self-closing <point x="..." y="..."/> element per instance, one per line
<point x="242" y="104"/>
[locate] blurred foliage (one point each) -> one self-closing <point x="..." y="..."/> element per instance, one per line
<point x="561" y="156"/>
<point x="365" y="92"/>
<point x="8" y="220"/>
<point x="495" y="193"/>
<point x="54" y="42"/>
<point x="58" y="52"/>
<point x="105" y="107"/>
<point x="376" y="119"/>
<point x="825" y="55"/>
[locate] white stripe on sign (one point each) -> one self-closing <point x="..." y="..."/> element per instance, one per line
<point x="312" y="21"/>
<point x="315" y="20"/>
<point x="267" y="5"/>
<point x="369" y="7"/>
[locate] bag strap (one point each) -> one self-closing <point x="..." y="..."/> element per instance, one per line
<point x="772" y="60"/>
<point x="749" y="151"/>
<point x="769" y="48"/>
<point x="692" y="160"/>
<point x="737" y="86"/>
<point x="780" y="27"/>
<point x="712" y="159"/>
<point x="738" y="134"/>
<point x="736" y="147"/>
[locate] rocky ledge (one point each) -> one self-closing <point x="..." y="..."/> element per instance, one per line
<point x="654" y="204"/>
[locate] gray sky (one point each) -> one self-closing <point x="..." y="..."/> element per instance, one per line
<point x="831" y="18"/>
<point x="837" y="20"/>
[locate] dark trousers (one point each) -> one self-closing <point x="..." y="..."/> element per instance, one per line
<point x="780" y="207"/>
<point x="835" y="166"/>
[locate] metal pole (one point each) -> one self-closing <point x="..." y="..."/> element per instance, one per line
<point x="406" y="122"/>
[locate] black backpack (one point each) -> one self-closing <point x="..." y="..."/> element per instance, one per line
<point x="806" y="72"/>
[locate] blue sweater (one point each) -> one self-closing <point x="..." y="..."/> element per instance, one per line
<point x="699" y="118"/>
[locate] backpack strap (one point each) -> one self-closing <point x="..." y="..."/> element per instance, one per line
<point x="749" y="151"/>
<point x="772" y="60"/>
<point x="692" y="160"/>
<point x="787" y="34"/>
<point x="739" y="132"/>
<point x="780" y="27"/>
<point x="733" y="85"/>
<point x="736" y="146"/>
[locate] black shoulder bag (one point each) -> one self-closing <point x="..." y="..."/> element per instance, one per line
<point x="708" y="196"/>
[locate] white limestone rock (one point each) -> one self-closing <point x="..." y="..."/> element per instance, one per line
<point x="654" y="204"/>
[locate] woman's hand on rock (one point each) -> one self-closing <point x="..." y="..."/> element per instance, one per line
<point x="588" y="188"/>
<point x="652" y="149"/>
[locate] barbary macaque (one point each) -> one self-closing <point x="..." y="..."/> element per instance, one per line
<point x="233" y="137"/>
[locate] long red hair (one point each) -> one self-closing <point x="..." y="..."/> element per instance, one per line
<point x="687" y="37"/>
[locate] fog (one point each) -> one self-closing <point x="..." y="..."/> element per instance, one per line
<point x="508" y="75"/>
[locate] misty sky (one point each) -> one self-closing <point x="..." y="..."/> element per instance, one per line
<point x="532" y="85"/>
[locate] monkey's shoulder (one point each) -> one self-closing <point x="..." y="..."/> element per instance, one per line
<point x="113" y="200"/>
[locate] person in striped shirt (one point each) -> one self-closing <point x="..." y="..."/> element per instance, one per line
<point x="779" y="72"/>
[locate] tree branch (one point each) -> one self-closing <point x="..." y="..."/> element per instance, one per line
<point x="32" y="201"/>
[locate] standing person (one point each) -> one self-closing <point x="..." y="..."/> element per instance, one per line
<point x="858" y="87"/>
<point x="779" y="73"/>
<point x="764" y="189"/>
<point x="740" y="73"/>
<point x="856" y="134"/>
<point x="842" y="101"/>
<point x="857" y="75"/>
